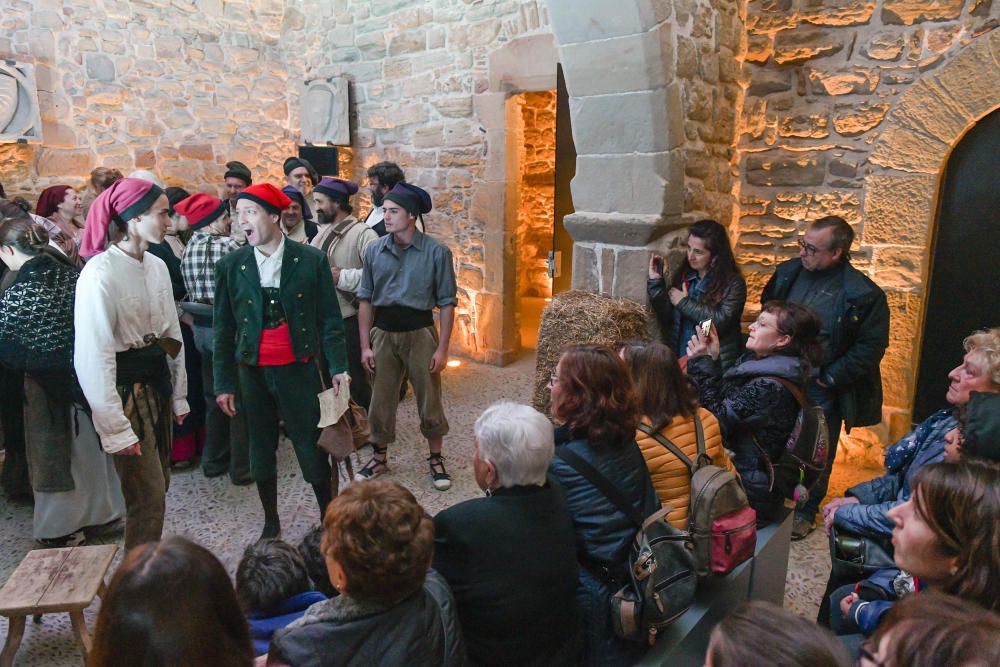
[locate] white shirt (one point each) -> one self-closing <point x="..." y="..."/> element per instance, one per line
<point x="269" y="268"/>
<point x="120" y="301"/>
<point x="375" y="216"/>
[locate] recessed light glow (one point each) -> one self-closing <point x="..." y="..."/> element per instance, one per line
<point x="454" y="363"/>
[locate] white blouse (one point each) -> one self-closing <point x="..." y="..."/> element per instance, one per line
<point x="120" y="301"/>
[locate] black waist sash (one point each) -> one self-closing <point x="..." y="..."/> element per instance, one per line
<point x="144" y="365"/>
<point x="401" y="318"/>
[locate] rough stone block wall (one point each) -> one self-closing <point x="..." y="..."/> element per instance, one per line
<point x="414" y="68"/>
<point x="537" y="167"/>
<point x="822" y="77"/>
<point x="175" y="86"/>
<point x="654" y="95"/>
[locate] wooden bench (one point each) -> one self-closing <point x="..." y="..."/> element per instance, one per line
<point x="762" y="577"/>
<point x="50" y="581"/>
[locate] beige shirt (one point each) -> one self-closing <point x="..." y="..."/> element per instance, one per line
<point x="345" y="244"/>
<point x="119" y="301"/>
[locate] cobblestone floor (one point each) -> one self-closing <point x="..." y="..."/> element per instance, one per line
<point x="225" y="518"/>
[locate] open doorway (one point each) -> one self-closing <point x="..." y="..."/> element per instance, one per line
<point x="533" y="115"/>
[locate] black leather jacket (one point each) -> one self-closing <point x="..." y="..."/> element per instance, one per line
<point x="725" y="315"/>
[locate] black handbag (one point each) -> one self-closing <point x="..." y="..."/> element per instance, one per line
<point x="856" y="557"/>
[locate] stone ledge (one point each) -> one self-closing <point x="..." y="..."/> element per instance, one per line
<point x="634" y="230"/>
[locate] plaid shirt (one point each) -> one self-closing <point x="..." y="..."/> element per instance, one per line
<point x="198" y="264"/>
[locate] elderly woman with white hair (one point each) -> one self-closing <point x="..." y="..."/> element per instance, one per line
<point x="510" y="557"/>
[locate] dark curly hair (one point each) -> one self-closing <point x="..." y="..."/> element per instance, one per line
<point x="595" y="398"/>
<point x="723" y="266"/>
<point x="960" y="502"/>
<point x="382" y="539"/>
<point x="662" y="388"/>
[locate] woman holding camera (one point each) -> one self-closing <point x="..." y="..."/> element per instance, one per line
<point x="706" y="286"/>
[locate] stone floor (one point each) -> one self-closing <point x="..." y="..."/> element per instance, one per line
<point x="225" y="518"/>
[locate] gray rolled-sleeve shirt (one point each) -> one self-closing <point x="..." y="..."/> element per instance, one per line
<point x="419" y="276"/>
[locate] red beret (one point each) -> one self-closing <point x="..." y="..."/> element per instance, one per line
<point x="271" y="198"/>
<point x="200" y="209"/>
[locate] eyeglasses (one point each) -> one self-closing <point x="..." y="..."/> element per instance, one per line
<point x="809" y="248"/>
<point x="865" y="654"/>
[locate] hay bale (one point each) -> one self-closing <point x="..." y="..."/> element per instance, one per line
<point x="577" y="318"/>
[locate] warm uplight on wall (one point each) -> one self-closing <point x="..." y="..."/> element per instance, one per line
<point x="454" y="363"/>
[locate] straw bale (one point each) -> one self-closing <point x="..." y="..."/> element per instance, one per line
<point x="577" y="318"/>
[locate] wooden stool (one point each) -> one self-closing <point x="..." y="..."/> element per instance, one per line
<point x="54" y="580"/>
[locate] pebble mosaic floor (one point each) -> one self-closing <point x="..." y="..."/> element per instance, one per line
<point x="225" y="518"/>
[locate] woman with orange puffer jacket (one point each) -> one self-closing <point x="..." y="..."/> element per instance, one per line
<point x="669" y="405"/>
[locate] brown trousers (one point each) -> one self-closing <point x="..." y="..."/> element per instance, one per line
<point x="396" y="355"/>
<point x="146" y="478"/>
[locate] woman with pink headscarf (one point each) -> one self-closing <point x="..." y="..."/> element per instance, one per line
<point x="128" y="354"/>
<point x="62" y="210"/>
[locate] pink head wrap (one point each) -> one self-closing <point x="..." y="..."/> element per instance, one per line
<point x="50" y="199"/>
<point x="122" y="201"/>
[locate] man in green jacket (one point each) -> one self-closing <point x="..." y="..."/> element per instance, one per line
<point x="276" y="316"/>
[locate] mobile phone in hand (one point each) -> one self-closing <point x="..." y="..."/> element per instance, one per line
<point x="658" y="264"/>
<point x="705" y="327"/>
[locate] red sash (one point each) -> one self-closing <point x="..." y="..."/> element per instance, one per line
<point x="276" y="347"/>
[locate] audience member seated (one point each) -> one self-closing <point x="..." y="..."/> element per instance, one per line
<point x="668" y="402"/>
<point x="977" y="435"/>
<point x="391" y="610"/>
<point x="864" y="510"/>
<point x="273" y="588"/>
<point x="170" y="603"/>
<point x="934" y="630"/>
<point x="592" y="396"/>
<point x="311" y="550"/>
<point x="510" y="557"/>
<point x="762" y="633"/>
<point x="706" y="286"/>
<point x="756" y="411"/>
<point x="945" y="539"/>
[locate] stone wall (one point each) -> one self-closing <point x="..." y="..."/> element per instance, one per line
<point x="415" y="69"/>
<point x="175" y="86"/>
<point x="824" y="80"/>
<point x="653" y="91"/>
<point x="536" y="189"/>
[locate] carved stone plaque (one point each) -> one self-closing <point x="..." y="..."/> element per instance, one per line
<point x="324" y="112"/>
<point x="19" y="117"/>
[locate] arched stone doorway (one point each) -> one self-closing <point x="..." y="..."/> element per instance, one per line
<point x="964" y="265"/>
<point x="901" y="200"/>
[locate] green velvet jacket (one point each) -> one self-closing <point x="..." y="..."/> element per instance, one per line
<point x="308" y="297"/>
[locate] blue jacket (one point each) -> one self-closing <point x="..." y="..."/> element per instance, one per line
<point x="264" y="623"/>
<point x="923" y="445"/>
<point x="603" y="534"/>
<point x="867" y="614"/>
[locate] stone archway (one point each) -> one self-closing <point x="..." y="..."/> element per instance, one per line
<point x="901" y="198"/>
<point x="628" y="127"/>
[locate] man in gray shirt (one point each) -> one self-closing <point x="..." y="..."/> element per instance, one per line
<point x="406" y="274"/>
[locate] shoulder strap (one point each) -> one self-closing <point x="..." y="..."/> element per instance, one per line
<point x="674" y="449"/>
<point x="602" y="483"/>
<point x="795" y="391"/>
<point x="699" y="434"/>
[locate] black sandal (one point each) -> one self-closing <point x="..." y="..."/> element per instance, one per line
<point x="442" y="480"/>
<point x="377" y="465"/>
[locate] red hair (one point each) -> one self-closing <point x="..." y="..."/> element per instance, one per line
<point x="596" y="397"/>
